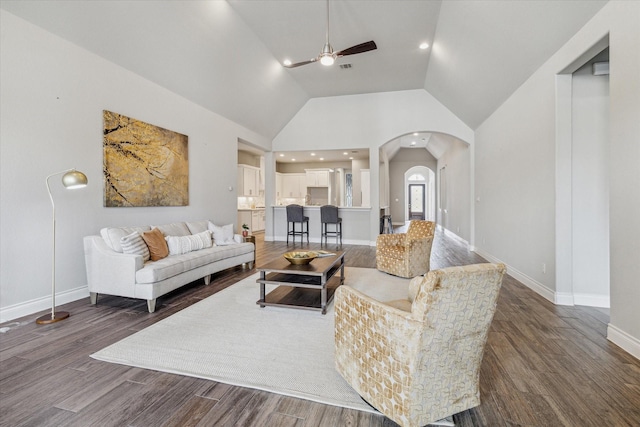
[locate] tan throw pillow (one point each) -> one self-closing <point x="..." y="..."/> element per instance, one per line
<point x="157" y="245"/>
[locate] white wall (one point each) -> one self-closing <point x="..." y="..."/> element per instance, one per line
<point x="458" y="186"/>
<point x="590" y="187"/>
<point x="53" y="94"/>
<point x="515" y="170"/>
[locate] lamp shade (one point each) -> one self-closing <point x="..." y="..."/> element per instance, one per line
<point x="74" y="179"/>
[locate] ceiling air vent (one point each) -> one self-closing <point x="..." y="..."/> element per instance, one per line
<point x="345" y="66"/>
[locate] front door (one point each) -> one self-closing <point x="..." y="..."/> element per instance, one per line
<point x="416" y="201"/>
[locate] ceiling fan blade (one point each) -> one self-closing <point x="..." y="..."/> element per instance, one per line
<point x="298" y="64"/>
<point x="360" y="48"/>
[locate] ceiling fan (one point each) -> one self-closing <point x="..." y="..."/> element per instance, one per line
<point x="328" y="56"/>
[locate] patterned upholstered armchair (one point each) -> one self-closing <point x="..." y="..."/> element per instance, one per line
<point x="418" y="360"/>
<point x="406" y="254"/>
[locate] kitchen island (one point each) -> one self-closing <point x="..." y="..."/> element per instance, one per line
<point x="355" y="224"/>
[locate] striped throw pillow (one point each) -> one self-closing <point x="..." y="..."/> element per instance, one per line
<point x="134" y="244"/>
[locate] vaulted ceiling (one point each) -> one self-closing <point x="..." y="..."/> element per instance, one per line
<point x="227" y="55"/>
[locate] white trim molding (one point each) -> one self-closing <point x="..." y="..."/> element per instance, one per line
<point x="529" y="282"/>
<point x="623" y="340"/>
<point x="36" y="305"/>
<point x="592" y="300"/>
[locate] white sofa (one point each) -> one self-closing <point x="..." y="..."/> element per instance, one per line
<point x="112" y="272"/>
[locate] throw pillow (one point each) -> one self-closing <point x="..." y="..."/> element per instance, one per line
<point x="182" y="244"/>
<point x="222" y="235"/>
<point x="157" y="245"/>
<point x="134" y="244"/>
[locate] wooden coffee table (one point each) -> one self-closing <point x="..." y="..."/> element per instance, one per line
<point x="309" y="287"/>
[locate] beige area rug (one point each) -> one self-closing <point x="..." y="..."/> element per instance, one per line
<point x="229" y="339"/>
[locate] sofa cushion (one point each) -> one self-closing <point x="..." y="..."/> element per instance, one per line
<point x="182" y="244"/>
<point x="196" y="227"/>
<point x="112" y="235"/>
<point x="175" y="264"/>
<point x="158" y="248"/>
<point x="174" y="229"/>
<point x="222" y="235"/>
<point x="135" y="244"/>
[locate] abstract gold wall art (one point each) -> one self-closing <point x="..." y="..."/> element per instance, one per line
<point x="144" y="165"/>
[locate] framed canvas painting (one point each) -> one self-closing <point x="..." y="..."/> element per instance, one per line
<point x="144" y="165"/>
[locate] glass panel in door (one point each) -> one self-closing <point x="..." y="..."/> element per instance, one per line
<point x="416" y="201"/>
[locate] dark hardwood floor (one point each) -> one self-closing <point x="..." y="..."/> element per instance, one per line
<point x="544" y="365"/>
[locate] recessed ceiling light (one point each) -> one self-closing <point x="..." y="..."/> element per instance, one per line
<point x="413" y="143"/>
<point x="293" y="160"/>
<point x="286" y="62"/>
<point x="313" y="154"/>
<point x="345" y="153"/>
<point x="424" y="46"/>
<point x="350" y="158"/>
<point x="281" y="155"/>
<point x="415" y="134"/>
<point x="321" y="158"/>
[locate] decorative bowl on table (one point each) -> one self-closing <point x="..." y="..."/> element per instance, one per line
<point x="299" y="258"/>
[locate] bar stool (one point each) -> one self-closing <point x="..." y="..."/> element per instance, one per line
<point x="295" y="214"/>
<point x="329" y="215"/>
<point x="386" y="224"/>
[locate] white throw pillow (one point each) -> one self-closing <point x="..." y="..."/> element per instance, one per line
<point x="222" y="235"/>
<point x="134" y="244"/>
<point x="182" y="244"/>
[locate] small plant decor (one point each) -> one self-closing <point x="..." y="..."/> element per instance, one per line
<point x="245" y="230"/>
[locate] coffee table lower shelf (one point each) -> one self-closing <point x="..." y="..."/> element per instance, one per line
<point x="298" y="295"/>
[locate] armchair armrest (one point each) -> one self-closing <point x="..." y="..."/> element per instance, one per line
<point x="108" y="271"/>
<point x="390" y="239"/>
<point x="374" y="345"/>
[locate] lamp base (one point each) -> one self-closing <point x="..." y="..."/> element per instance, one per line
<point x="46" y="319"/>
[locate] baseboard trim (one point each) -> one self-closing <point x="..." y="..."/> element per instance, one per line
<point x="564" y="298"/>
<point x="623" y="340"/>
<point x="36" y="305"/>
<point x="529" y="282"/>
<point x="592" y="300"/>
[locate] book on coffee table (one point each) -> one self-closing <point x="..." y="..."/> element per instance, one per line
<point x="322" y="254"/>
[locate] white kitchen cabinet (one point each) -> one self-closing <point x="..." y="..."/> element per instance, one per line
<point x="278" y="186"/>
<point x="294" y="185"/>
<point x="254" y="218"/>
<point x="248" y="181"/>
<point x="317" y="178"/>
<point x="365" y="187"/>
<point x="244" y="217"/>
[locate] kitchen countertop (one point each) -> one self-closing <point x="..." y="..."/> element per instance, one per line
<point x="251" y="209"/>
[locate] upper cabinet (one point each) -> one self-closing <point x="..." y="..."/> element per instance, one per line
<point x="294" y="185"/>
<point x="317" y="177"/>
<point x="248" y="180"/>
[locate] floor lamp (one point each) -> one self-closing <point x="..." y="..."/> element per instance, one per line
<point x="71" y="179"/>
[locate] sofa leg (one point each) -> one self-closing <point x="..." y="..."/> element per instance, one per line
<point x="93" y="297"/>
<point x="207" y="279"/>
<point x="151" y="305"/>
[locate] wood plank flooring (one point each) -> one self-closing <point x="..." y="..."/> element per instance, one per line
<point x="544" y="365"/>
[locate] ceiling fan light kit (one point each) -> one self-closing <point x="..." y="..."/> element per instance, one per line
<point x="328" y="56"/>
